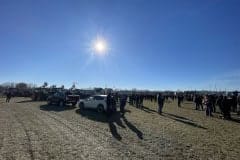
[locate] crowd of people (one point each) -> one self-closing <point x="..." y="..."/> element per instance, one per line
<point x="226" y="104"/>
<point x="208" y="102"/>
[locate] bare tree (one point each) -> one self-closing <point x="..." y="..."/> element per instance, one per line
<point x="45" y="84"/>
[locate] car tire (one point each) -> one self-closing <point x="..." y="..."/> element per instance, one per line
<point x="61" y="103"/>
<point x="100" y="108"/>
<point x="81" y="106"/>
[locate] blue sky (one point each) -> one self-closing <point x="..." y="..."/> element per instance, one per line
<point x="153" y="44"/>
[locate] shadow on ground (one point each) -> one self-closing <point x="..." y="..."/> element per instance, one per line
<point x="235" y="120"/>
<point x="182" y="120"/>
<point x="148" y="110"/>
<point x="234" y="117"/>
<point x="113" y="121"/>
<point x="56" y="108"/>
<point x="179" y="117"/>
<point x="93" y="115"/>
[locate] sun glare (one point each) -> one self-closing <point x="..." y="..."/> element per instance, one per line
<point x="100" y="46"/>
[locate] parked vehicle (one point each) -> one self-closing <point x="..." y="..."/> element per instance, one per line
<point x="61" y="98"/>
<point x="97" y="102"/>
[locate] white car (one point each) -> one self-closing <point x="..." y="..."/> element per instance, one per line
<point x="97" y="102"/>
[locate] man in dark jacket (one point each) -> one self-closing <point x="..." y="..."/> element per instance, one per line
<point x="9" y="95"/>
<point x="123" y="100"/>
<point x="160" y="100"/>
<point x="209" y="106"/>
<point x="226" y="107"/>
<point x="109" y="103"/>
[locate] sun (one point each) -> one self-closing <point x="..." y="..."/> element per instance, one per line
<point x="100" y="46"/>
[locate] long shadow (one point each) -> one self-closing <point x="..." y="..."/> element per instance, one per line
<point x="148" y="109"/>
<point x="114" y="132"/>
<point x="113" y="129"/>
<point x="234" y="120"/>
<point x="185" y="121"/>
<point x="56" y="108"/>
<point x="179" y="117"/>
<point x="133" y="128"/>
<point x="115" y="118"/>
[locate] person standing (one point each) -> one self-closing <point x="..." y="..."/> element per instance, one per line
<point x="123" y="100"/>
<point x="160" y="100"/>
<point x="141" y="101"/>
<point x="9" y="95"/>
<point x="209" y="106"/>
<point x="113" y="104"/>
<point x="214" y="101"/>
<point x="197" y="102"/>
<point x="180" y="99"/>
<point x="226" y="107"/>
<point x="109" y="103"/>
<point x="220" y="103"/>
<point x="238" y="107"/>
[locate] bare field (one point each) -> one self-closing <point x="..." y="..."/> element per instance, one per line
<point x="34" y="130"/>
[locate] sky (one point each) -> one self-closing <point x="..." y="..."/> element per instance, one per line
<point x="151" y="44"/>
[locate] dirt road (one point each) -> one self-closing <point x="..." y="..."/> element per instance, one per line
<point x="34" y="130"/>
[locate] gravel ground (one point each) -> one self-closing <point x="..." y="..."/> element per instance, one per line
<point x="34" y="130"/>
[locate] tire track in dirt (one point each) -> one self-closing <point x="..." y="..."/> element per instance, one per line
<point x="2" y="126"/>
<point x="35" y="133"/>
<point x="14" y="138"/>
<point x="124" y="147"/>
<point x="30" y="148"/>
<point x="129" y="148"/>
<point x="47" y="136"/>
<point x="35" y="136"/>
<point x="90" y="137"/>
<point x="64" y="127"/>
<point x="149" y="148"/>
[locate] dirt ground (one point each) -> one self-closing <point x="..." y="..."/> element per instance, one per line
<point x="34" y="130"/>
